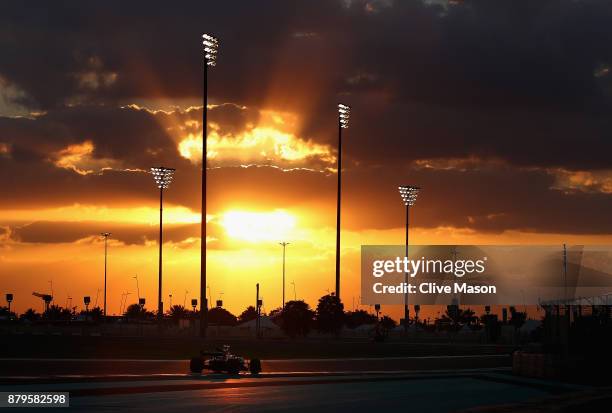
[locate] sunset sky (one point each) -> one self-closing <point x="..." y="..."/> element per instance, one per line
<point x="502" y="114"/>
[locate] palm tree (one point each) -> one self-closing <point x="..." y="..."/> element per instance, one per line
<point x="30" y="315"/>
<point x="517" y="318"/>
<point x="387" y="323"/>
<point x="457" y="316"/>
<point x="178" y="312"/>
<point x="54" y="312"/>
<point x="4" y="311"/>
<point x="134" y="311"/>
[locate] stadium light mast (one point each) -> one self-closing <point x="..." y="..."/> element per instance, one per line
<point x="211" y="49"/>
<point x="284" y="245"/>
<point x="163" y="177"/>
<point x="409" y="195"/>
<point x="105" y="235"/>
<point x="344" y="113"/>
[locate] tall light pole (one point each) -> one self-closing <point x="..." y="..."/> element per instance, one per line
<point x="137" y="286"/>
<point x="284" y="245"/>
<point x="409" y="195"/>
<point x="211" y="48"/>
<point x="105" y="235"/>
<point x="51" y="281"/>
<point x="163" y="177"/>
<point x="344" y="113"/>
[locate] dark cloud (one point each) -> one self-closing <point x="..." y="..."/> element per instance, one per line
<point x="519" y="83"/>
<point x="490" y="198"/>
<point x="480" y="52"/>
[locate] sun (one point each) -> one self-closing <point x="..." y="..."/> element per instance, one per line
<point x="258" y="226"/>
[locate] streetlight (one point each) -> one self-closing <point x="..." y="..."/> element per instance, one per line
<point x="163" y="177"/>
<point x="211" y="49"/>
<point x="284" y="245"/>
<point x="409" y="195"/>
<point x="86" y="301"/>
<point x="344" y="113"/>
<point x="9" y="300"/>
<point x="105" y="235"/>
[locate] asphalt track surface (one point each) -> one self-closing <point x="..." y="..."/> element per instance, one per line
<point x="355" y="394"/>
<point x="415" y="384"/>
<point x="11" y="369"/>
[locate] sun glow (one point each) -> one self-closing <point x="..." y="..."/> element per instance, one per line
<point x="258" y="226"/>
<point x="274" y="139"/>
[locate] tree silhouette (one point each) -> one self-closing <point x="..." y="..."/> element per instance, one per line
<point x="96" y="313"/>
<point x="4" y="311"/>
<point x="456" y="316"/>
<point x="329" y="314"/>
<point x="387" y="323"/>
<point x="296" y="318"/>
<point x="57" y="313"/>
<point x="357" y="318"/>
<point x="467" y="316"/>
<point x="178" y="312"/>
<point x="517" y="318"/>
<point x="136" y="312"/>
<point x="250" y="313"/>
<point x="221" y="316"/>
<point x="30" y="315"/>
<point x="275" y="313"/>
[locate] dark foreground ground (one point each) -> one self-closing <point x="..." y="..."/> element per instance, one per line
<point x="421" y="396"/>
<point x="426" y="393"/>
<point x="138" y="374"/>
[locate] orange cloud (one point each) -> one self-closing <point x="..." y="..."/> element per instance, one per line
<point x="587" y="181"/>
<point x="271" y="142"/>
<point x="78" y="157"/>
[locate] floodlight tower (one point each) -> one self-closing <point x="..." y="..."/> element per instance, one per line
<point x="409" y="195"/>
<point x="344" y="113"/>
<point x="211" y="49"/>
<point x="9" y="300"/>
<point x="163" y="177"/>
<point x="284" y="245"/>
<point x="105" y="235"/>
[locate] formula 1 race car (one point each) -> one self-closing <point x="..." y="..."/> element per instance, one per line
<point x="222" y="361"/>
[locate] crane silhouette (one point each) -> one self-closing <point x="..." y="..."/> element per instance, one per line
<point x="47" y="298"/>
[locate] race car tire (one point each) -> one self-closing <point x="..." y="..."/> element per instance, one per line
<point x="255" y="366"/>
<point x="196" y="365"/>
